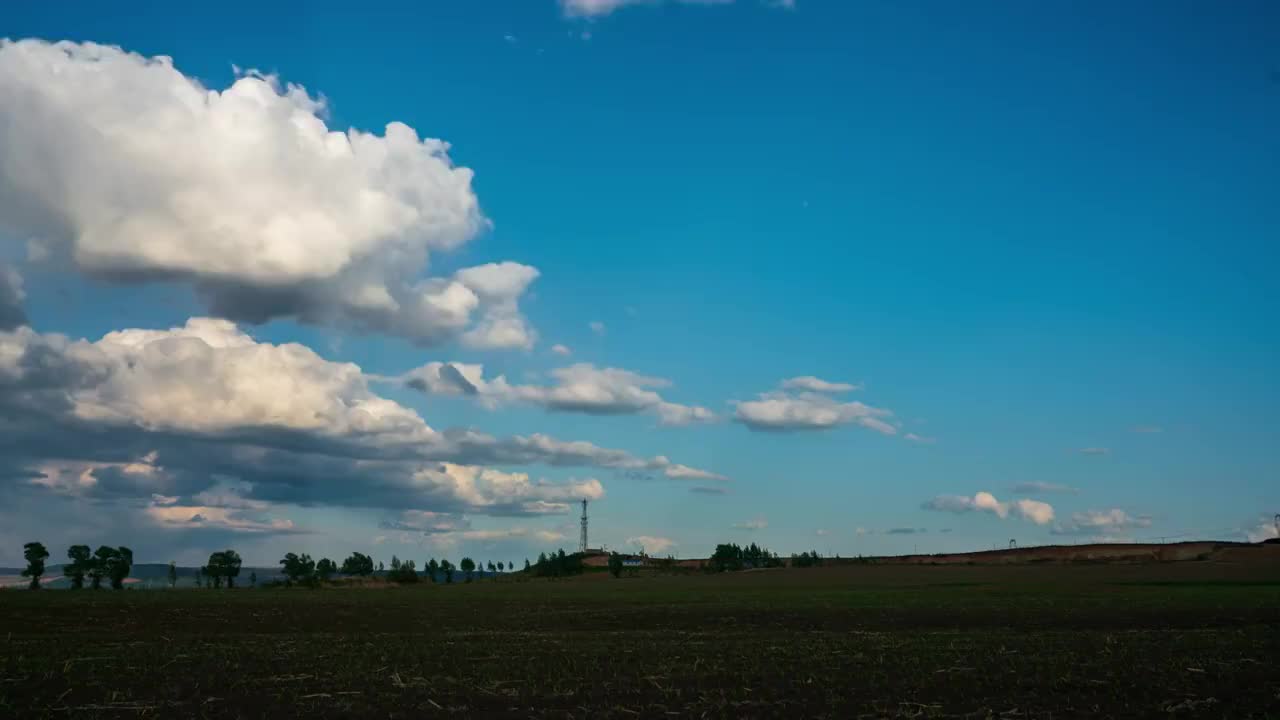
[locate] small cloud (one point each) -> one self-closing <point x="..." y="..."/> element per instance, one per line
<point x="1043" y="488"/>
<point x="597" y="327"/>
<point x="1034" y="511"/>
<point x="704" y="490"/>
<point x="861" y="531"/>
<point x="944" y="531"/>
<point x="1094" y="451"/>
<point x="1147" y="429"/>
<point x="1264" y="530"/>
<point x="781" y="4"/>
<point x="759" y="523"/>
<point x="809" y="383"/>
<point x="821" y="532"/>
<point x="904" y="531"/>
<point x="920" y="439"/>
<point x="562" y="350"/>
<point x="1101" y="522"/>
<point x="510" y="39"/>
<point x="650" y="544"/>
<point x="380" y="539"/>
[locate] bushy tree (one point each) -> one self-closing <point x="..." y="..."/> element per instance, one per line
<point x="806" y="559"/>
<point x="357" y="564"/>
<point x="615" y="564"/>
<point x="299" y="569"/>
<point x="402" y="572"/>
<point x="526" y="564"/>
<point x="558" y="564"/>
<point x="446" y="567"/>
<point x="224" y="565"/>
<point x="432" y="567"/>
<point x="35" y="555"/>
<point x="467" y="566"/>
<point x="326" y="569"/>
<point x="81" y="558"/>
<point x="728" y="556"/>
<point x="113" y="563"/>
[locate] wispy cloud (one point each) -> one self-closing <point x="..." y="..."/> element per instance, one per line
<point x="1044" y="488"/>
<point x="651" y="544"/>
<point x="757" y="523"/>
<point x="1101" y="522"/>
<point x="1094" y="451"/>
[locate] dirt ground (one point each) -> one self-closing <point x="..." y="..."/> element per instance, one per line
<point x="1194" y="639"/>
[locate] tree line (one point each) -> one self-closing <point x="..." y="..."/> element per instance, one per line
<point x="106" y="563"/>
<point x="114" y="564"/>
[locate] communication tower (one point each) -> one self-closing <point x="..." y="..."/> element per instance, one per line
<point x="582" y="542"/>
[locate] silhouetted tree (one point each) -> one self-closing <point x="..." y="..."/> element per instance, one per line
<point x="432" y="567"/>
<point x="115" y="564"/>
<point x="173" y="574"/>
<point x="526" y="564"/>
<point x="224" y="565"/>
<point x="299" y="569"/>
<point x="81" y="558"/>
<point x="615" y="564"/>
<point x="326" y="568"/>
<point x="357" y="564"/>
<point x="467" y="566"/>
<point x="447" y="568"/>
<point x="403" y="572"/>
<point x="253" y="579"/>
<point x="35" y="555"/>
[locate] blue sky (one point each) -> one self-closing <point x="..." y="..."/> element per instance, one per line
<point x="1041" y="240"/>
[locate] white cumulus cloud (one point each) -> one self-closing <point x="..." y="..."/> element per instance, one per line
<point x="651" y="544"/>
<point x="1040" y="513"/>
<point x="783" y="411"/>
<point x="126" y="169"/>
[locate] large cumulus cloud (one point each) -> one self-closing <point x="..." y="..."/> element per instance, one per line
<point x="147" y="414"/>
<point x="125" y="169"/>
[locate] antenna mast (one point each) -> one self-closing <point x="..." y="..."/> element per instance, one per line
<point x="582" y="542"/>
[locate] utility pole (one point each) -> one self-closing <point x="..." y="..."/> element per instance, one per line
<point x="582" y="542"/>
